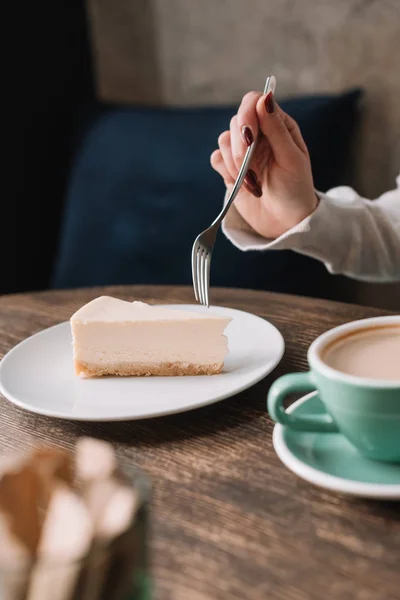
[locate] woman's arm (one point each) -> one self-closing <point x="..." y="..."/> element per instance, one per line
<point x="351" y="235"/>
<point x="278" y="208"/>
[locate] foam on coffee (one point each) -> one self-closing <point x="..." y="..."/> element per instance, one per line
<point x="373" y="352"/>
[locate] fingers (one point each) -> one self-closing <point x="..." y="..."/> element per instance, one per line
<point x="244" y="130"/>
<point x="294" y="131"/>
<point x="223" y="162"/>
<point x="238" y="147"/>
<point x="239" y="150"/>
<point x="233" y="144"/>
<point x="218" y="164"/>
<point x="247" y="121"/>
<point x="224" y="143"/>
<point x="280" y="130"/>
<point x="219" y="160"/>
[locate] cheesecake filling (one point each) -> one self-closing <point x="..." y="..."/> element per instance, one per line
<point x="149" y="342"/>
<point x="175" y="343"/>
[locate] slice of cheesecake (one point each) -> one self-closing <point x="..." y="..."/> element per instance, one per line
<point x="115" y="337"/>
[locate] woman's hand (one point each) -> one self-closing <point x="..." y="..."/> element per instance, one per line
<point x="279" y="191"/>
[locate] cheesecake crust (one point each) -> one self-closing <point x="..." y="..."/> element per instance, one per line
<point x="165" y="369"/>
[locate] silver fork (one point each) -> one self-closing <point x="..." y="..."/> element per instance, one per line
<point x="204" y="243"/>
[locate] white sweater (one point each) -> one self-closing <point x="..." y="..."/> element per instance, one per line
<point x="351" y="235"/>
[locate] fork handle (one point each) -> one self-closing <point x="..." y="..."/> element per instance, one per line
<point x="269" y="86"/>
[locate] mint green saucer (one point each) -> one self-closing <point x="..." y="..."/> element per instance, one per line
<point x="330" y="461"/>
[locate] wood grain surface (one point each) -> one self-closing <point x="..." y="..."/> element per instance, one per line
<point x="228" y="519"/>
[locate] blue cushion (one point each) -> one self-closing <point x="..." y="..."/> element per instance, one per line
<point x="142" y="188"/>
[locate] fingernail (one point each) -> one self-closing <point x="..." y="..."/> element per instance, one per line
<point x="247" y="135"/>
<point x="251" y="178"/>
<point x="270" y="103"/>
<point x="252" y="184"/>
<point x="255" y="190"/>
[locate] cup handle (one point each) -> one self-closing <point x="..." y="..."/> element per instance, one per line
<point x="288" y="384"/>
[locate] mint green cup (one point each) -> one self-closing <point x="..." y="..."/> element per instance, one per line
<point x="366" y="411"/>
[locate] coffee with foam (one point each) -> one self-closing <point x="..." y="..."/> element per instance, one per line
<point x="373" y="353"/>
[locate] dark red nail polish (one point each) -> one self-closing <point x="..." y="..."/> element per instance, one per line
<point x="247" y="135"/>
<point x="270" y="103"/>
<point x="252" y="183"/>
<point x="255" y="190"/>
<point x="251" y="178"/>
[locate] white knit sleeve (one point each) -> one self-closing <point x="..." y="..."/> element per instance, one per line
<point x="351" y="235"/>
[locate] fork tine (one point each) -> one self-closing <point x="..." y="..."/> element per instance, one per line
<point x="202" y="274"/>
<point x="199" y="274"/>
<point x="195" y="250"/>
<point x="205" y="281"/>
<point x="207" y="277"/>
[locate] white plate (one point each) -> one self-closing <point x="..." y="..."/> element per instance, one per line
<point x="38" y="375"/>
<point x="330" y="461"/>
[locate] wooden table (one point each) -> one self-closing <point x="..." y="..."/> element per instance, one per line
<point x="229" y="521"/>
